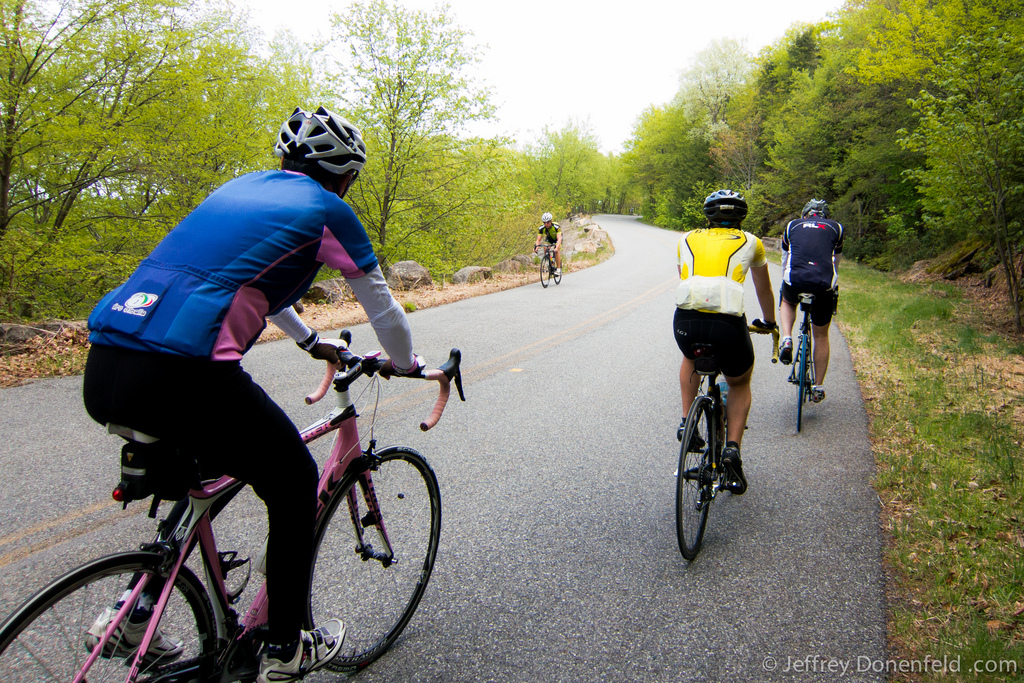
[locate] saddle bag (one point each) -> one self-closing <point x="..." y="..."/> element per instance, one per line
<point x="156" y="469"/>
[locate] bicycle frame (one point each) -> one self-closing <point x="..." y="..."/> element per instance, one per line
<point x="803" y="373"/>
<point x="714" y="392"/>
<point x="177" y="540"/>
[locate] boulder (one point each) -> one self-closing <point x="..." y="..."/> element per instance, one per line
<point x="471" y="274"/>
<point x="328" y="292"/>
<point x="407" y="275"/>
<point x="509" y="266"/>
<point x="515" y="264"/>
<point x="13" y="335"/>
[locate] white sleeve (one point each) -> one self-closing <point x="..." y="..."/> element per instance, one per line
<point x="387" y="317"/>
<point x="289" y="321"/>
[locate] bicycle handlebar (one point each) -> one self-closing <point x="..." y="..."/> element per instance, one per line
<point x="352" y="365"/>
<point x="757" y="329"/>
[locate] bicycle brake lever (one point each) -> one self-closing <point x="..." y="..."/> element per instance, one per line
<point x="458" y="385"/>
<point x="452" y="371"/>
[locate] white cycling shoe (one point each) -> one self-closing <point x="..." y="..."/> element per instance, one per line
<point x="316" y="648"/>
<point x="127" y="637"/>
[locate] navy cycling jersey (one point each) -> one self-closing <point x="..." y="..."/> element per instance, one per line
<point x="249" y="250"/>
<point x="808" y="249"/>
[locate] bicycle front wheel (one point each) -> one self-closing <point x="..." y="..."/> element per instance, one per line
<point x="803" y="386"/>
<point x="696" y="476"/>
<point x="373" y="590"/>
<point x="545" y="270"/>
<point x="48" y="638"/>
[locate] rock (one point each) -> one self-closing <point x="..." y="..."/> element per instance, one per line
<point x="509" y="266"/>
<point x="407" y="275"/>
<point x="772" y="243"/>
<point x="516" y="263"/>
<point x="13" y="335"/>
<point x="471" y="274"/>
<point x="328" y="292"/>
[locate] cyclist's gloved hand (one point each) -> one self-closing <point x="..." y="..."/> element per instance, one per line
<point x="389" y="368"/>
<point x="329" y="350"/>
<point x="762" y="327"/>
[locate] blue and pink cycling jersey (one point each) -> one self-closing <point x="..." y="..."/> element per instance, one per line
<point x="249" y="250"/>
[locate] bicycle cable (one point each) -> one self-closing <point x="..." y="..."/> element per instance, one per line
<point x="374" y="383"/>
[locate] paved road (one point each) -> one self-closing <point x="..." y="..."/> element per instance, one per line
<point x="558" y="558"/>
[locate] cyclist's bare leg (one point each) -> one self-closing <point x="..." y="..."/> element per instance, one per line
<point x="787" y="316"/>
<point x="737" y="406"/>
<point x="821" y="352"/>
<point x="558" y="257"/>
<point x="689" y="383"/>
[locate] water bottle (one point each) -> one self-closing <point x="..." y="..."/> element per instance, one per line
<point x="723" y="389"/>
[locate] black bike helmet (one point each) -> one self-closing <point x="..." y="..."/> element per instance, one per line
<point x="725" y="208"/>
<point x="322" y="138"/>
<point x="817" y="207"/>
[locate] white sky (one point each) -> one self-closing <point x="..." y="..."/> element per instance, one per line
<point x="596" y="61"/>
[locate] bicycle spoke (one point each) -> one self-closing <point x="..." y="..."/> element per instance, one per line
<point x="51" y="636"/>
<point x="373" y="592"/>
<point x="696" y="477"/>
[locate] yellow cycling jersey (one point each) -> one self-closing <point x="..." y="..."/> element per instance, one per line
<point x="713" y="263"/>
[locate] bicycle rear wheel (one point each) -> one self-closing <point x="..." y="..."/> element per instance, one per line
<point x="545" y="270"/>
<point x="695" y="478"/>
<point x="803" y="387"/>
<point x="45" y="638"/>
<point x="376" y="596"/>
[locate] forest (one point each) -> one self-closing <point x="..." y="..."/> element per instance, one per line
<point x="117" y="118"/>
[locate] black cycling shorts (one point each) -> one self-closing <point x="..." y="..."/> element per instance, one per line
<point x="824" y="306"/>
<point x="728" y="335"/>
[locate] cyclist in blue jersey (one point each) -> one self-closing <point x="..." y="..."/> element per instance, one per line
<point x="811" y="248"/>
<point x="167" y="344"/>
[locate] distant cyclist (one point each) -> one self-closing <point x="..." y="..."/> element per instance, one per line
<point x="167" y="345"/>
<point x="713" y="263"/>
<point x="552" y="232"/>
<point x="811" y="248"/>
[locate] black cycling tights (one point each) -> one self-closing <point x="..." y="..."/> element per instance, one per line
<point x="214" y="410"/>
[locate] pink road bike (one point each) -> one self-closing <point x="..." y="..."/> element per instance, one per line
<point x="372" y="565"/>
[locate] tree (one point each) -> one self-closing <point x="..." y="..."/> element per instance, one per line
<point x="116" y="117"/>
<point x="565" y="165"/>
<point x="406" y="84"/>
<point x="669" y="157"/>
<point x="972" y="131"/>
<point x="716" y="74"/>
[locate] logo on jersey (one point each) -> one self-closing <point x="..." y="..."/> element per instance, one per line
<point x="137" y="304"/>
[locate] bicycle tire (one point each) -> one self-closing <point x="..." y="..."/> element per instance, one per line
<point x="376" y="602"/>
<point x="545" y="270"/>
<point x="557" y="276"/>
<point x="695" y="478"/>
<point x="802" y="387"/>
<point x="44" y="639"/>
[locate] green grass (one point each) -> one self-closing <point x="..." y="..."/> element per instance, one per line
<point x="942" y="401"/>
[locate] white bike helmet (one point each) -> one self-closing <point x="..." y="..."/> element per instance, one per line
<point x="323" y="138"/>
<point x="546" y="217"/>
